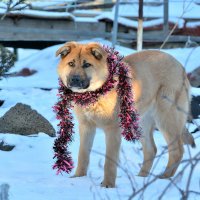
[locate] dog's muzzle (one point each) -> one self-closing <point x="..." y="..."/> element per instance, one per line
<point x="77" y="82"/>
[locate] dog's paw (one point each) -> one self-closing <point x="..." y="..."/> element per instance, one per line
<point x="169" y="172"/>
<point x="165" y="176"/>
<point x="107" y="184"/>
<point x="78" y="175"/>
<point x="143" y="174"/>
<point x="74" y="176"/>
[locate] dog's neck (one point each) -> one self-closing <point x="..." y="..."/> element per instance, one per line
<point x="105" y="109"/>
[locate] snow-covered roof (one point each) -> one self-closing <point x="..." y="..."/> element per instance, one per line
<point x="39" y="14"/>
<point x="134" y="24"/>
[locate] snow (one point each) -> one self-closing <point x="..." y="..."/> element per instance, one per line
<point x="188" y="57"/>
<point x="4" y="5"/>
<point x="28" y="168"/>
<point x="42" y="4"/>
<point x="88" y="12"/>
<point x="193" y="24"/>
<point x="195" y="91"/>
<point x="134" y="24"/>
<point x="40" y="14"/>
<point x="86" y="19"/>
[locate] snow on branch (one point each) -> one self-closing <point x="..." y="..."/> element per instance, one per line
<point x="14" y="5"/>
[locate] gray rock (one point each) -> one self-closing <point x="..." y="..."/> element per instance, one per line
<point x="194" y="77"/>
<point x="23" y="120"/>
<point x="6" y="147"/>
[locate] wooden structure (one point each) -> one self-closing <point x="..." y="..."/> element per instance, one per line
<point x="40" y="29"/>
<point x="18" y="31"/>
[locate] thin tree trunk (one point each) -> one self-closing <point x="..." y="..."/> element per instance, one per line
<point x="140" y="26"/>
<point x="166" y="17"/>
<point x="4" y="192"/>
<point x="115" y="24"/>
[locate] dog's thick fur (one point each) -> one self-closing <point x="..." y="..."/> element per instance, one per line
<point x="161" y="92"/>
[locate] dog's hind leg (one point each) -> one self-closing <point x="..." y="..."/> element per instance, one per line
<point x="175" y="148"/>
<point x="170" y="117"/>
<point x="148" y="144"/>
<point x="188" y="138"/>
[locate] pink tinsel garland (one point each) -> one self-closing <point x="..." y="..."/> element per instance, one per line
<point x="128" y="115"/>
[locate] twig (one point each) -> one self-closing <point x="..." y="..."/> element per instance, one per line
<point x="174" y="27"/>
<point x="11" y="5"/>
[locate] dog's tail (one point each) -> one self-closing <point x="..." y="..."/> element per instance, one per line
<point x="188" y="138"/>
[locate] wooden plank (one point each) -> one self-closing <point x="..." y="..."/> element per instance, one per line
<point x="62" y="36"/>
<point x="47" y="30"/>
<point x="85" y="7"/>
<point x="159" y="37"/>
<point x="27" y="29"/>
<point x="50" y="24"/>
<point x="14" y="34"/>
<point x="173" y="38"/>
<point x="31" y="44"/>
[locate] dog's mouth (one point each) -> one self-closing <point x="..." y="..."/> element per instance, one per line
<point x="76" y="84"/>
<point x="77" y="88"/>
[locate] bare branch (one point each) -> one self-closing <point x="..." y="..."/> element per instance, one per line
<point x="12" y="5"/>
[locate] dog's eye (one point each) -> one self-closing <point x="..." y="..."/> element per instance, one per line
<point x="71" y="64"/>
<point x="86" y="65"/>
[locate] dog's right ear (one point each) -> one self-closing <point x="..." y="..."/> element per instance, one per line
<point x="96" y="50"/>
<point x="66" y="49"/>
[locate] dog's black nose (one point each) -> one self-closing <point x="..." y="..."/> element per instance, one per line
<point x="78" y="82"/>
<point x="75" y="81"/>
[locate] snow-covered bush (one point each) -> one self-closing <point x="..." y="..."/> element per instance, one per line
<point x="7" y="60"/>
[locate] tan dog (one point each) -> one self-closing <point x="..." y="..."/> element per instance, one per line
<point x="162" y="99"/>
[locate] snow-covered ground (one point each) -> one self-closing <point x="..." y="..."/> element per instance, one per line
<point x="28" y="168"/>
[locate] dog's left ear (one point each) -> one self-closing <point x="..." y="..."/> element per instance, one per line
<point x="63" y="51"/>
<point x="66" y="49"/>
<point x="96" y="50"/>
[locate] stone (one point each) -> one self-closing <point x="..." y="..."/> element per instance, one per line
<point x="26" y="72"/>
<point x="195" y="107"/>
<point x="23" y="72"/>
<point x="1" y="102"/>
<point x="23" y="120"/>
<point x="6" y="147"/>
<point x="194" y="77"/>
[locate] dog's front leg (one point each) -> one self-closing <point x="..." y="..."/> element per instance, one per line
<point x="113" y="141"/>
<point x="87" y="133"/>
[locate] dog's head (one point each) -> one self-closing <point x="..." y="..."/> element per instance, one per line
<point x="83" y="67"/>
